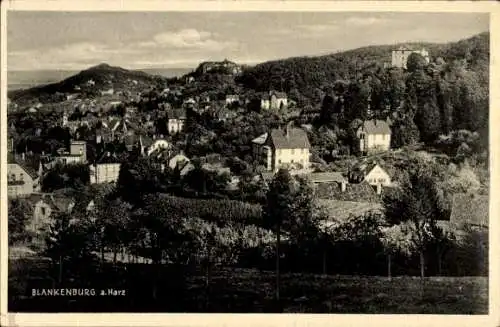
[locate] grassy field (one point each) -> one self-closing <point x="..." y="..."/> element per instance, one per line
<point x="304" y="293"/>
<point x="248" y="290"/>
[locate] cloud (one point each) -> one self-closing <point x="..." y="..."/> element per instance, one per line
<point x="183" y="46"/>
<point x="187" y="39"/>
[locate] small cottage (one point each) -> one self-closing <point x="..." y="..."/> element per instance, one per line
<point x="374" y="135"/>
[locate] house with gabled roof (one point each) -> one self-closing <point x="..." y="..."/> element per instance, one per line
<point x="374" y="135"/>
<point x="45" y="206"/>
<point x="23" y="178"/>
<point x="371" y="173"/>
<point x="288" y="147"/>
<point x="176" y="120"/>
<point x="105" y="170"/>
<point x="274" y="100"/>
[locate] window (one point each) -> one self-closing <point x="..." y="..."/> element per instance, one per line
<point x="13" y="177"/>
<point x="279" y="161"/>
<point x="292" y="161"/>
<point x="21" y="177"/>
<point x="42" y="209"/>
<point x="362" y="136"/>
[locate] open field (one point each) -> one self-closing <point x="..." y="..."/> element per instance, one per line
<point x="306" y="293"/>
<point x="248" y="290"/>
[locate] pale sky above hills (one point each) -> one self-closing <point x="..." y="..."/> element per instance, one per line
<point x="77" y="40"/>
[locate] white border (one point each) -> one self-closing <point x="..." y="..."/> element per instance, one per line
<point x="107" y="319"/>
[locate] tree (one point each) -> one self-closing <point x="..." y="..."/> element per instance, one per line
<point x="69" y="244"/>
<point x="404" y="132"/>
<point x="112" y="226"/>
<point x="396" y="239"/>
<point x="20" y="213"/>
<point x="419" y="204"/>
<point x="166" y="232"/>
<point x="415" y="62"/>
<point x="66" y="176"/>
<point x="278" y="210"/>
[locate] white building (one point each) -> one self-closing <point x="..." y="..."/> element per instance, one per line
<point x="371" y="173"/>
<point x="400" y="56"/>
<point x="232" y="98"/>
<point x="105" y="170"/>
<point x="283" y="148"/>
<point x="176" y="121"/>
<point x="77" y="154"/>
<point x="374" y="135"/>
<point x="274" y="100"/>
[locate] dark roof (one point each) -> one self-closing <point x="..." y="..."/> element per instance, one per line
<point x="376" y="126"/>
<point x="179" y="113"/>
<point x="296" y="138"/>
<point x="327" y="177"/>
<point x="280" y="95"/>
<point x="57" y="202"/>
<point x="470" y="209"/>
<point x="27" y="165"/>
<point x="261" y="139"/>
<point x="363" y="168"/>
<point x="108" y="157"/>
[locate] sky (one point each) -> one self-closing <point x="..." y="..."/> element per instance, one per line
<point x="77" y="40"/>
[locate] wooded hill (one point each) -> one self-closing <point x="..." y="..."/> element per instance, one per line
<point x="103" y="76"/>
<point x="311" y="74"/>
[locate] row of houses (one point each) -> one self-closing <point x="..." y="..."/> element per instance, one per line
<point x="273" y="100"/>
<point x="290" y="148"/>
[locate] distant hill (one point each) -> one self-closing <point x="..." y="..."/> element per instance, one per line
<point x="167" y="72"/>
<point x="90" y="81"/>
<point x="310" y="74"/>
<point x="17" y="80"/>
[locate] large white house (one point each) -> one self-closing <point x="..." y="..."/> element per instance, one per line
<point x="283" y="148"/>
<point x="274" y="100"/>
<point x="374" y="135"/>
<point x="176" y="120"/>
<point x="400" y="56"/>
<point x="106" y="170"/>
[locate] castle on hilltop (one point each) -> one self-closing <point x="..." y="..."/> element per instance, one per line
<point x="400" y="56"/>
<point x="225" y="66"/>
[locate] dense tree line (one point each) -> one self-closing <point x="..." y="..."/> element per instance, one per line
<point x="450" y="93"/>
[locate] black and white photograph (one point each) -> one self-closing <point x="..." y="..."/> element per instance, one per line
<point x="247" y="162"/>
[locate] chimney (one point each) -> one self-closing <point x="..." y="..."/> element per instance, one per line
<point x="379" y="188"/>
